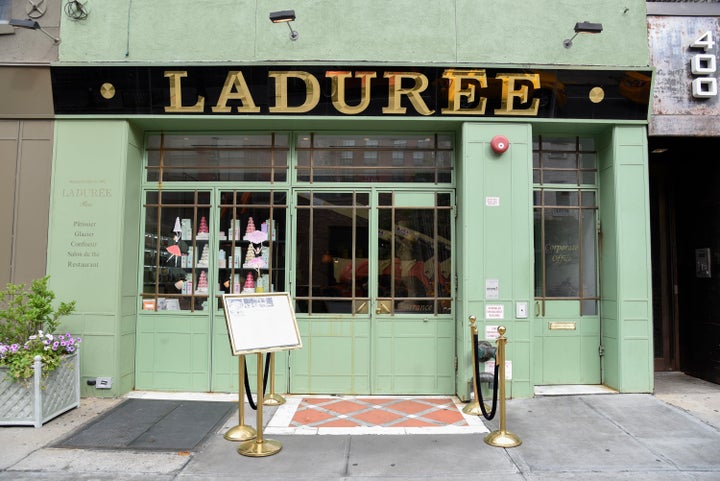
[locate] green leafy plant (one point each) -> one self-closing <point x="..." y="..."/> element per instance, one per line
<point x="28" y="326"/>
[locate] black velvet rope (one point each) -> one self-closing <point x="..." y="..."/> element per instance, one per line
<point x="248" y="391"/>
<point x="481" y="401"/>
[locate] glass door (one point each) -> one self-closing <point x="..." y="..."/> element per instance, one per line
<point x="373" y="284"/>
<point x="413" y="327"/>
<point x="332" y="292"/>
<point x="565" y="208"/>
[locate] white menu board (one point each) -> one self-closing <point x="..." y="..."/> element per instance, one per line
<point x="261" y="322"/>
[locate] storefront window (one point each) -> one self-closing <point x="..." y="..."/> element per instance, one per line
<point x="331" y="272"/>
<point x="414" y="256"/>
<point x="251" y="241"/>
<point x="176" y="257"/>
<point x="229" y="237"/>
<point x="565" y="220"/>
<point x="197" y="249"/>
<point x="221" y="158"/>
<point x="375" y="158"/>
<point x="410" y="272"/>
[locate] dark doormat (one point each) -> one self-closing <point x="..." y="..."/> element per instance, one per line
<point x="148" y="424"/>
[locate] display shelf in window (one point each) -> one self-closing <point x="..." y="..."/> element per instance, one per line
<point x="178" y="259"/>
<point x="250" y="252"/>
<point x="245" y="261"/>
<point x="170" y="302"/>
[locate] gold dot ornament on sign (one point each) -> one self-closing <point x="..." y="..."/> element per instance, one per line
<point x="107" y="90"/>
<point x="597" y="94"/>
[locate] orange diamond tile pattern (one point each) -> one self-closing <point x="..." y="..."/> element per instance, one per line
<point x="319" y="412"/>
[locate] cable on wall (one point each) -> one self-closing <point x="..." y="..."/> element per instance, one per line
<point x="76" y="10"/>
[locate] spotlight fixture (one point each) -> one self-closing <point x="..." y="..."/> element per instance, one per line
<point x="29" y="23"/>
<point x="285" y="16"/>
<point x="583" y="27"/>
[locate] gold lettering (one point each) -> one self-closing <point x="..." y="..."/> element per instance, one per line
<point x="512" y="88"/>
<point x="176" y="95"/>
<point x="235" y="81"/>
<point x="472" y="80"/>
<point x="312" y="92"/>
<point x="338" y="89"/>
<point x="464" y="87"/>
<point x="395" y="92"/>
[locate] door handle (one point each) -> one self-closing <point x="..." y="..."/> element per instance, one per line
<point x="383" y="307"/>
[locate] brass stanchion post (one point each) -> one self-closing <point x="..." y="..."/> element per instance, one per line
<point x="273" y="399"/>
<point x="241" y="432"/>
<point x="502" y="438"/>
<point x="474" y="408"/>
<point x="259" y="446"/>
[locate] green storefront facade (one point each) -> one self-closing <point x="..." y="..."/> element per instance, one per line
<point x="406" y="176"/>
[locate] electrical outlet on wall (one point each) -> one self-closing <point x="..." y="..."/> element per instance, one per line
<point x="103" y="383"/>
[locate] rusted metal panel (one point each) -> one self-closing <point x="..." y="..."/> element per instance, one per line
<point x="685" y="125"/>
<point x="675" y="111"/>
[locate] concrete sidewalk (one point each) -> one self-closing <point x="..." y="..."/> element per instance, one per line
<point x="589" y="437"/>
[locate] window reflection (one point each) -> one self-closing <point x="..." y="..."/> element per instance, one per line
<point x="565" y="220"/>
<point x="414" y="259"/>
<point x="336" y="274"/>
<point x="332" y="251"/>
<point x="377" y="158"/>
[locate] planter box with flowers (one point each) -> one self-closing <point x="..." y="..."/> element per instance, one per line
<point x="39" y="371"/>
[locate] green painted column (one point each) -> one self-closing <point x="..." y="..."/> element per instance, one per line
<point x="495" y="232"/>
<point x="93" y="243"/>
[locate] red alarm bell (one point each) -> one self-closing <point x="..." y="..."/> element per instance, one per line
<point x="499" y="144"/>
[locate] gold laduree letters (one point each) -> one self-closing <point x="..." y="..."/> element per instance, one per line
<point x="461" y="84"/>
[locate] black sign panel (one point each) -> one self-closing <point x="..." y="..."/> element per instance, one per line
<point x="351" y="91"/>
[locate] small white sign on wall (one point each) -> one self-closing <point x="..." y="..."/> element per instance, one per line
<point x="491" y="333"/>
<point x="494" y="311"/>
<point x="490" y="367"/>
<point x="492" y="289"/>
<point x="492" y="201"/>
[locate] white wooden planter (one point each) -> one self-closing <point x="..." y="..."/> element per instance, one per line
<point x="35" y="402"/>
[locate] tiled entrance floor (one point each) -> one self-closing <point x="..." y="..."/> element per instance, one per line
<point x="373" y="415"/>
